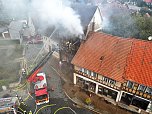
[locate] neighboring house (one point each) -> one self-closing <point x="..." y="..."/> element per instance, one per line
<point x="90" y="16"/>
<point x="29" y="29"/>
<point x="91" y="20"/>
<point x="14" y="30"/>
<point x="116" y="68"/>
<point x="113" y="8"/>
<point x="18" y="29"/>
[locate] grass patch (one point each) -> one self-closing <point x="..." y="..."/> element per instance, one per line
<point x="3" y="83"/>
<point x="9" y="68"/>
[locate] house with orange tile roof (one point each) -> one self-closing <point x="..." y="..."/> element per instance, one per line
<point x="116" y="68"/>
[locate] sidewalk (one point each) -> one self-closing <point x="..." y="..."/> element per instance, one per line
<point x="99" y="105"/>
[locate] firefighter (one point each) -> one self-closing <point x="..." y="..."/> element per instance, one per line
<point x="23" y="72"/>
<point x="30" y="112"/>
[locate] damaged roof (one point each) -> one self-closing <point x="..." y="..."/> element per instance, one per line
<point x="117" y="58"/>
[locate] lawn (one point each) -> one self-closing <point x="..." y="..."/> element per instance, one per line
<point x="9" y="63"/>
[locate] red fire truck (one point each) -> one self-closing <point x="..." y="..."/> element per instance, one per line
<point x="40" y="83"/>
<point x="40" y="87"/>
<point x="10" y="105"/>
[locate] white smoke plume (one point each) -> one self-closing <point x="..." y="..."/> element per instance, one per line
<point x="59" y="14"/>
<point x="56" y="13"/>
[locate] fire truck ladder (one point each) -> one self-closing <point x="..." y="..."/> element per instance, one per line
<point x="32" y="73"/>
<point x="38" y="67"/>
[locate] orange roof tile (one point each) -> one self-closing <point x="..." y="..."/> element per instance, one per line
<point x="139" y="63"/>
<point x="116" y="58"/>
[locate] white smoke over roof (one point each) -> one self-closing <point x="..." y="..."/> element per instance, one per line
<point x="56" y="13"/>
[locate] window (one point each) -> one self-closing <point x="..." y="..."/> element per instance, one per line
<point x="105" y="90"/>
<point x="82" y="69"/>
<point x="149" y="90"/>
<point x="141" y="88"/>
<point x="89" y="72"/>
<point x="105" y="79"/>
<point x="85" y="71"/>
<point x="130" y="84"/>
<point x="112" y="81"/>
<point x="108" y="80"/>
<point x="94" y="74"/>
<point x="41" y="97"/>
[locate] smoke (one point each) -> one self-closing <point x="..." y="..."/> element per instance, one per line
<point x="118" y="20"/>
<point x="48" y="12"/>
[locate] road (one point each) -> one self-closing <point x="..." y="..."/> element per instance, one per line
<point x="59" y="106"/>
<point x="59" y="103"/>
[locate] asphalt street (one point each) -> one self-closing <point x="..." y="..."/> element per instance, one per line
<point x="59" y="103"/>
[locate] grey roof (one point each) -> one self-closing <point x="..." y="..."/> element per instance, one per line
<point x="3" y="29"/>
<point x="86" y="12"/>
<point x="110" y="9"/>
<point x="16" y="25"/>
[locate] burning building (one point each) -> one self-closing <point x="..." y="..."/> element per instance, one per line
<point x="91" y="20"/>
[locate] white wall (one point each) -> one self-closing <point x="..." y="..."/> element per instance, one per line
<point x="48" y="43"/>
<point x="97" y="20"/>
<point x="97" y="84"/>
